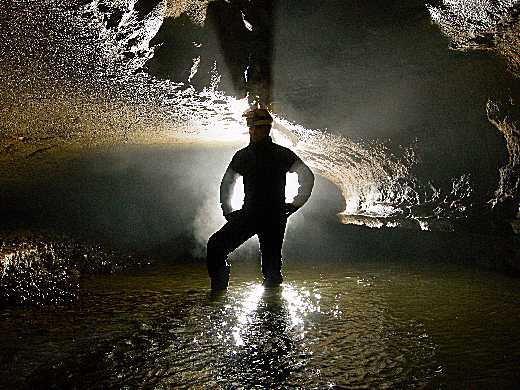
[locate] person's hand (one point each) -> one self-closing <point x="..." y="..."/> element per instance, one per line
<point x="289" y="209"/>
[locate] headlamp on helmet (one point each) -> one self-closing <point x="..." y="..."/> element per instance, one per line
<point x="258" y="117"/>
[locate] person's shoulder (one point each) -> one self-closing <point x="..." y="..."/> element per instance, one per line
<point x="241" y="152"/>
<point x="282" y="149"/>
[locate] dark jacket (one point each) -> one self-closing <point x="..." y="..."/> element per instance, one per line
<point x="263" y="166"/>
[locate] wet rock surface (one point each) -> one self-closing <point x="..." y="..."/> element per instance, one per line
<point x="368" y="94"/>
<point x="410" y="135"/>
<point x="41" y="268"/>
<point x="482" y="25"/>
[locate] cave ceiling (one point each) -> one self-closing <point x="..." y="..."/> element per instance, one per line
<point x="400" y="85"/>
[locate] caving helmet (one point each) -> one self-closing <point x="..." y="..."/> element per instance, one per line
<point x="258" y="117"/>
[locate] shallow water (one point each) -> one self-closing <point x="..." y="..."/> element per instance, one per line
<point x="345" y="325"/>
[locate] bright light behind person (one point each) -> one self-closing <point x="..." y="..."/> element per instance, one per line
<point x="291" y="190"/>
<point x="291" y="186"/>
<point x="237" y="199"/>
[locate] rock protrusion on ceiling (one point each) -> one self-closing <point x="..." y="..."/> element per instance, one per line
<point x="505" y="116"/>
<point x="126" y="28"/>
<point x="235" y="42"/>
<point x="482" y="25"/>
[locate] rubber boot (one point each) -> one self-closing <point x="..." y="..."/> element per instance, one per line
<point x="220" y="279"/>
<point x="274" y="279"/>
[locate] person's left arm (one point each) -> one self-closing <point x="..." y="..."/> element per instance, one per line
<point x="306" y="182"/>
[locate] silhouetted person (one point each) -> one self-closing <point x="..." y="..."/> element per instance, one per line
<point x="263" y="166"/>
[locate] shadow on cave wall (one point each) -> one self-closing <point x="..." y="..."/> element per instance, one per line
<point x="235" y="44"/>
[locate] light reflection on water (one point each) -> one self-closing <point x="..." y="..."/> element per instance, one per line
<point x="298" y="304"/>
<point x="382" y="326"/>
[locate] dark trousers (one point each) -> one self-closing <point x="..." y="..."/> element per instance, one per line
<point x="242" y="225"/>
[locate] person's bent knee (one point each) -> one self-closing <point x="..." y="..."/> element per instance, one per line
<point x="216" y="256"/>
<point x="214" y="247"/>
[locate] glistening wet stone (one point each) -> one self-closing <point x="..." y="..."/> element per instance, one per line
<point x="42" y="268"/>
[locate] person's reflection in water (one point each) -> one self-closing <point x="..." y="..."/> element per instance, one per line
<point x="264" y="353"/>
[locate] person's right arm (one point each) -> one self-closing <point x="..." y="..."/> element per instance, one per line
<point x="226" y="189"/>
